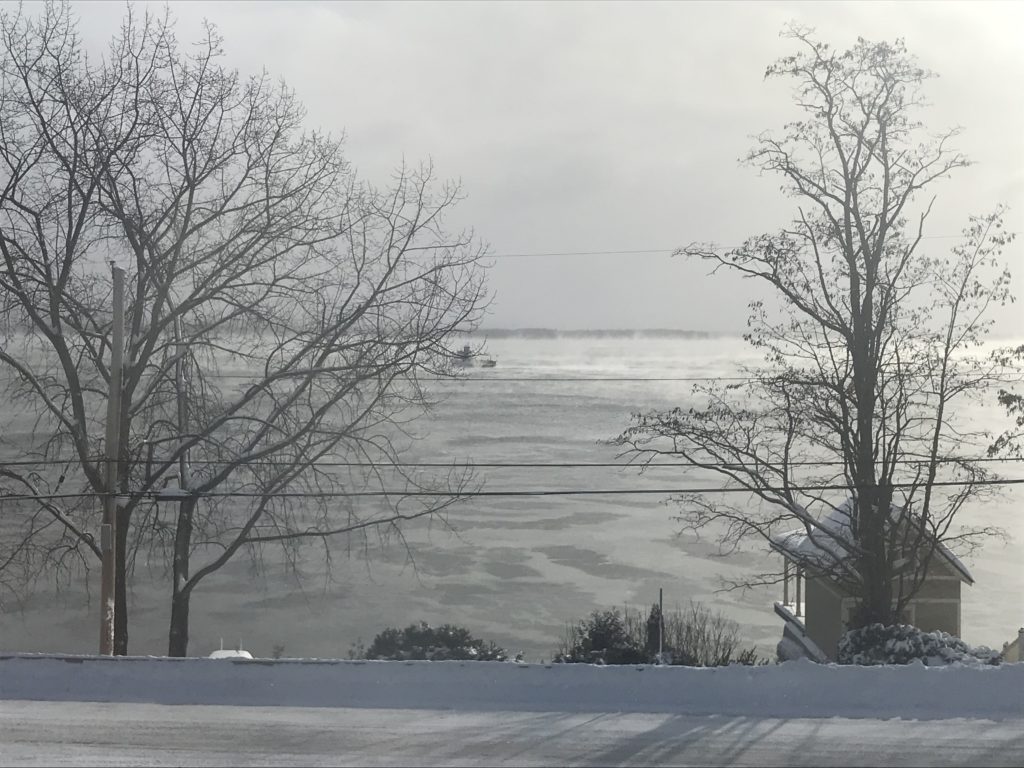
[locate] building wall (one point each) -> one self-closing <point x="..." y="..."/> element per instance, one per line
<point x="935" y="607"/>
<point x="939" y="588"/>
<point x="1013" y="651"/>
<point x="932" y="616"/>
<point x="823" y="620"/>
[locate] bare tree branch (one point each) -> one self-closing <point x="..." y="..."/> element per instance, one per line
<point x="869" y="356"/>
<point x="280" y="314"/>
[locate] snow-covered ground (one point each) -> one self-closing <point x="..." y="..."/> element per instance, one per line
<point x="308" y="712"/>
<point x="791" y="690"/>
<point x="44" y="733"/>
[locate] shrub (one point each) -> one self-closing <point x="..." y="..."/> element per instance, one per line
<point x="903" y="643"/>
<point x="423" y="642"/>
<point x="357" y="650"/>
<point x="697" y="637"/>
<point x="601" y="638"/>
<point x="693" y="637"/>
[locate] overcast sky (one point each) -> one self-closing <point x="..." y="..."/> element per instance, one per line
<point x="579" y="126"/>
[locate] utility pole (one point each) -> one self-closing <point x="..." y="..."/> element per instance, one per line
<point x="109" y="527"/>
<point x="177" y="640"/>
<point x="661" y="621"/>
<point x="180" y="348"/>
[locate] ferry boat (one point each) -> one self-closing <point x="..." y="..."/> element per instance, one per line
<point x="464" y="357"/>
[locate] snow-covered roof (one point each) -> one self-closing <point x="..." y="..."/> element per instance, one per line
<point x="824" y="545"/>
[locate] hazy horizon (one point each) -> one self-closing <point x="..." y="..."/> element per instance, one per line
<point x="594" y="139"/>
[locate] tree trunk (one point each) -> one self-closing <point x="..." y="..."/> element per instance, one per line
<point x="121" y="583"/>
<point x="177" y="644"/>
<point x="181" y="590"/>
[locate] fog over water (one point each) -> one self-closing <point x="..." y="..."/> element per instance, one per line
<point x="516" y="569"/>
<point x="611" y="131"/>
<point x="591" y="140"/>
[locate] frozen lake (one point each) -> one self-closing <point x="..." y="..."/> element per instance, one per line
<point x="516" y="569"/>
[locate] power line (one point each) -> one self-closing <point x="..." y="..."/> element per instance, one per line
<point x="642" y="378"/>
<point x="580" y="253"/>
<point x="632" y="251"/>
<point x="258" y="378"/>
<point x="157" y="495"/>
<point x="512" y="464"/>
<point x="589" y="464"/>
<point x="46" y="462"/>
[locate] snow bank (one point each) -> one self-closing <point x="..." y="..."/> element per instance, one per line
<point x="793" y="689"/>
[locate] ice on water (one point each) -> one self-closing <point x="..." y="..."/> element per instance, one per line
<point x="516" y="569"/>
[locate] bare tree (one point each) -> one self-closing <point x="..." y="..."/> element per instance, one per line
<point x="867" y="358"/>
<point x="281" y="316"/>
<point x="1009" y="442"/>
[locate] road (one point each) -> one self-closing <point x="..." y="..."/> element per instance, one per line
<point x="111" y="734"/>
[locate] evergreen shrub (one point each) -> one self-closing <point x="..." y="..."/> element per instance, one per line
<point x="423" y="642"/>
<point x="903" y="643"/>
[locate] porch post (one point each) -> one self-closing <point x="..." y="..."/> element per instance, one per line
<point x="799" y="608"/>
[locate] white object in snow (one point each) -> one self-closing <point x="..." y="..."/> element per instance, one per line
<point x="230" y="654"/>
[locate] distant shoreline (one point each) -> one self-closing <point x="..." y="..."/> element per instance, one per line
<point x="649" y="333"/>
<point x="599" y="333"/>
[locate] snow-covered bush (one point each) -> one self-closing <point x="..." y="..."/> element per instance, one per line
<point x="903" y="643"/>
<point x="423" y="642"/>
